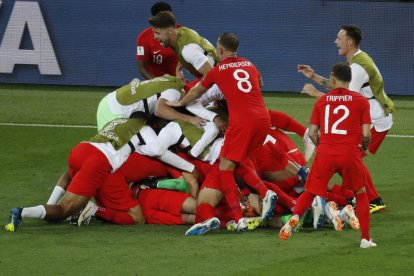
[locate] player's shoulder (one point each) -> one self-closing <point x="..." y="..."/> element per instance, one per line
<point x="146" y="33"/>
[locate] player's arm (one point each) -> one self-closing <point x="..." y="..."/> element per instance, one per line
<point x="311" y="90"/>
<point x="194" y="54"/>
<point x="167" y="112"/>
<point x="205" y="68"/>
<point x="366" y="137"/>
<point x="192" y="95"/>
<point x="179" y="72"/>
<point x="143" y="56"/>
<point x="261" y="81"/>
<point x="142" y="69"/>
<point x="314" y="134"/>
<point x="308" y="72"/>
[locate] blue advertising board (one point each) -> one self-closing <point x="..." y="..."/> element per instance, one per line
<point x="93" y="42"/>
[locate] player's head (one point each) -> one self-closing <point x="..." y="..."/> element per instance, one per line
<point x="349" y="37"/>
<point x="341" y="75"/>
<point x="164" y="27"/>
<point x="159" y="7"/>
<point x="227" y="44"/>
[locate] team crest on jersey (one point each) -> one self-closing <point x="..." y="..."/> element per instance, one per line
<point x="140" y="51"/>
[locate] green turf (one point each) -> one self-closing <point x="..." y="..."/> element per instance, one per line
<point x="34" y="157"/>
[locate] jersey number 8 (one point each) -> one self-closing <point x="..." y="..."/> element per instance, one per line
<point x="243" y="82"/>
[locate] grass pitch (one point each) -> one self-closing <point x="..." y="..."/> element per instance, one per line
<point x="33" y="157"/>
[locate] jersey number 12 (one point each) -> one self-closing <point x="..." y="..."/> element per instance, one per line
<point x="335" y="129"/>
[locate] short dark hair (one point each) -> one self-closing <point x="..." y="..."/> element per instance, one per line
<point x="353" y="32"/>
<point x="163" y="19"/>
<point x="229" y="41"/>
<point x="342" y="72"/>
<point x="159" y="7"/>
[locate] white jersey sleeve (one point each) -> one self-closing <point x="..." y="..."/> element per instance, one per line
<point x="194" y="54"/>
<point x="171" y="95"/>
<point x="359" y="78"/>
<point x="198" y="107"/>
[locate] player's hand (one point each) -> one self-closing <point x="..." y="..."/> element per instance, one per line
<point x="310" y="90"/>
<point x="174" y="104"/>
<point x="388" y="109"/>
<point x="364" y="153"/>
<point x="306" y="70"/>
<point x="198" y="122"/>
<point x="220" y="123"/>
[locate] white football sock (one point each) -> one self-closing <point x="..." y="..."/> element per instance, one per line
<point x="56" y="195"/>
<point x="34" y="212"/>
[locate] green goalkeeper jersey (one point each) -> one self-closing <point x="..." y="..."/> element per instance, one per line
<point x="119" y="131"/>
<point x="136" y="91"/>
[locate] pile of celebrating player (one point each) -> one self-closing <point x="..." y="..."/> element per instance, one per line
<point x="214" y="156"/>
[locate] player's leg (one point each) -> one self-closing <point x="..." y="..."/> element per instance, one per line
<point x="59" y="189"/>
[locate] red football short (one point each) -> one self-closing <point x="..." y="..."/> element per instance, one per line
<point x="325" y="166"/>
<point x="270" y="157"/>
<point x="88" y="168"/>
<point x="242" y="140"/>
<point x="138" y="167"/>
<point x="212" y="180"/>
<point x="115" y="193"/>
<point x="376" y="140"/>
<point x="155" y="200"/>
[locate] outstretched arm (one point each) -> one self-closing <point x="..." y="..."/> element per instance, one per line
<point x="310" y="90"/>
<point x="308" y="72"/>
<point x="192" y="95"/>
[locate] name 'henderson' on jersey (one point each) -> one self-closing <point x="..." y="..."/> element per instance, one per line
<point x="238" y="79"/>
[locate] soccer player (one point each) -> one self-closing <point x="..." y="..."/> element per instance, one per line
<point x="116" y="203"/>
<point x="147" y="96"/>
<point x="90" y="163"/>
<point x="249" y="121"/>
<point x="343" y="119"/>
<point x="153" y="59"/>
<point x="366" y="80"/>
<point x="195" y="53"/>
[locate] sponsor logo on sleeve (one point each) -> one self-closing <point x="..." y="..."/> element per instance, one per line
<point x="140" y="51"/>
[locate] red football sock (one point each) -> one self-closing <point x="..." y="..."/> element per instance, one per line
<point x="348" y="194"/>
<point x="203" y="212"/>
<point x="252" y="179"/>
<point x="337" y="198"/>
<point x="336" y="188"/>
<point x="303" y="203"/>
<point x="362" y="212"/>
<point x="369" y="185"/>
<point x="285" y="122"/>
<point x="114" y="216"/>
<point x="282" y="197"/>
<point x="231" y="193"/>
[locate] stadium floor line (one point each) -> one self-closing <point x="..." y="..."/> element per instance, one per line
<point x="80" y="126"/>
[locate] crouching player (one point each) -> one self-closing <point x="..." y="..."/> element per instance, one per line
<point x="90" y="163"/>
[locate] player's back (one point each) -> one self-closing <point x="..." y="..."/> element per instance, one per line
<point x="340" y="114"/>
<point x="238" y="79"/>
